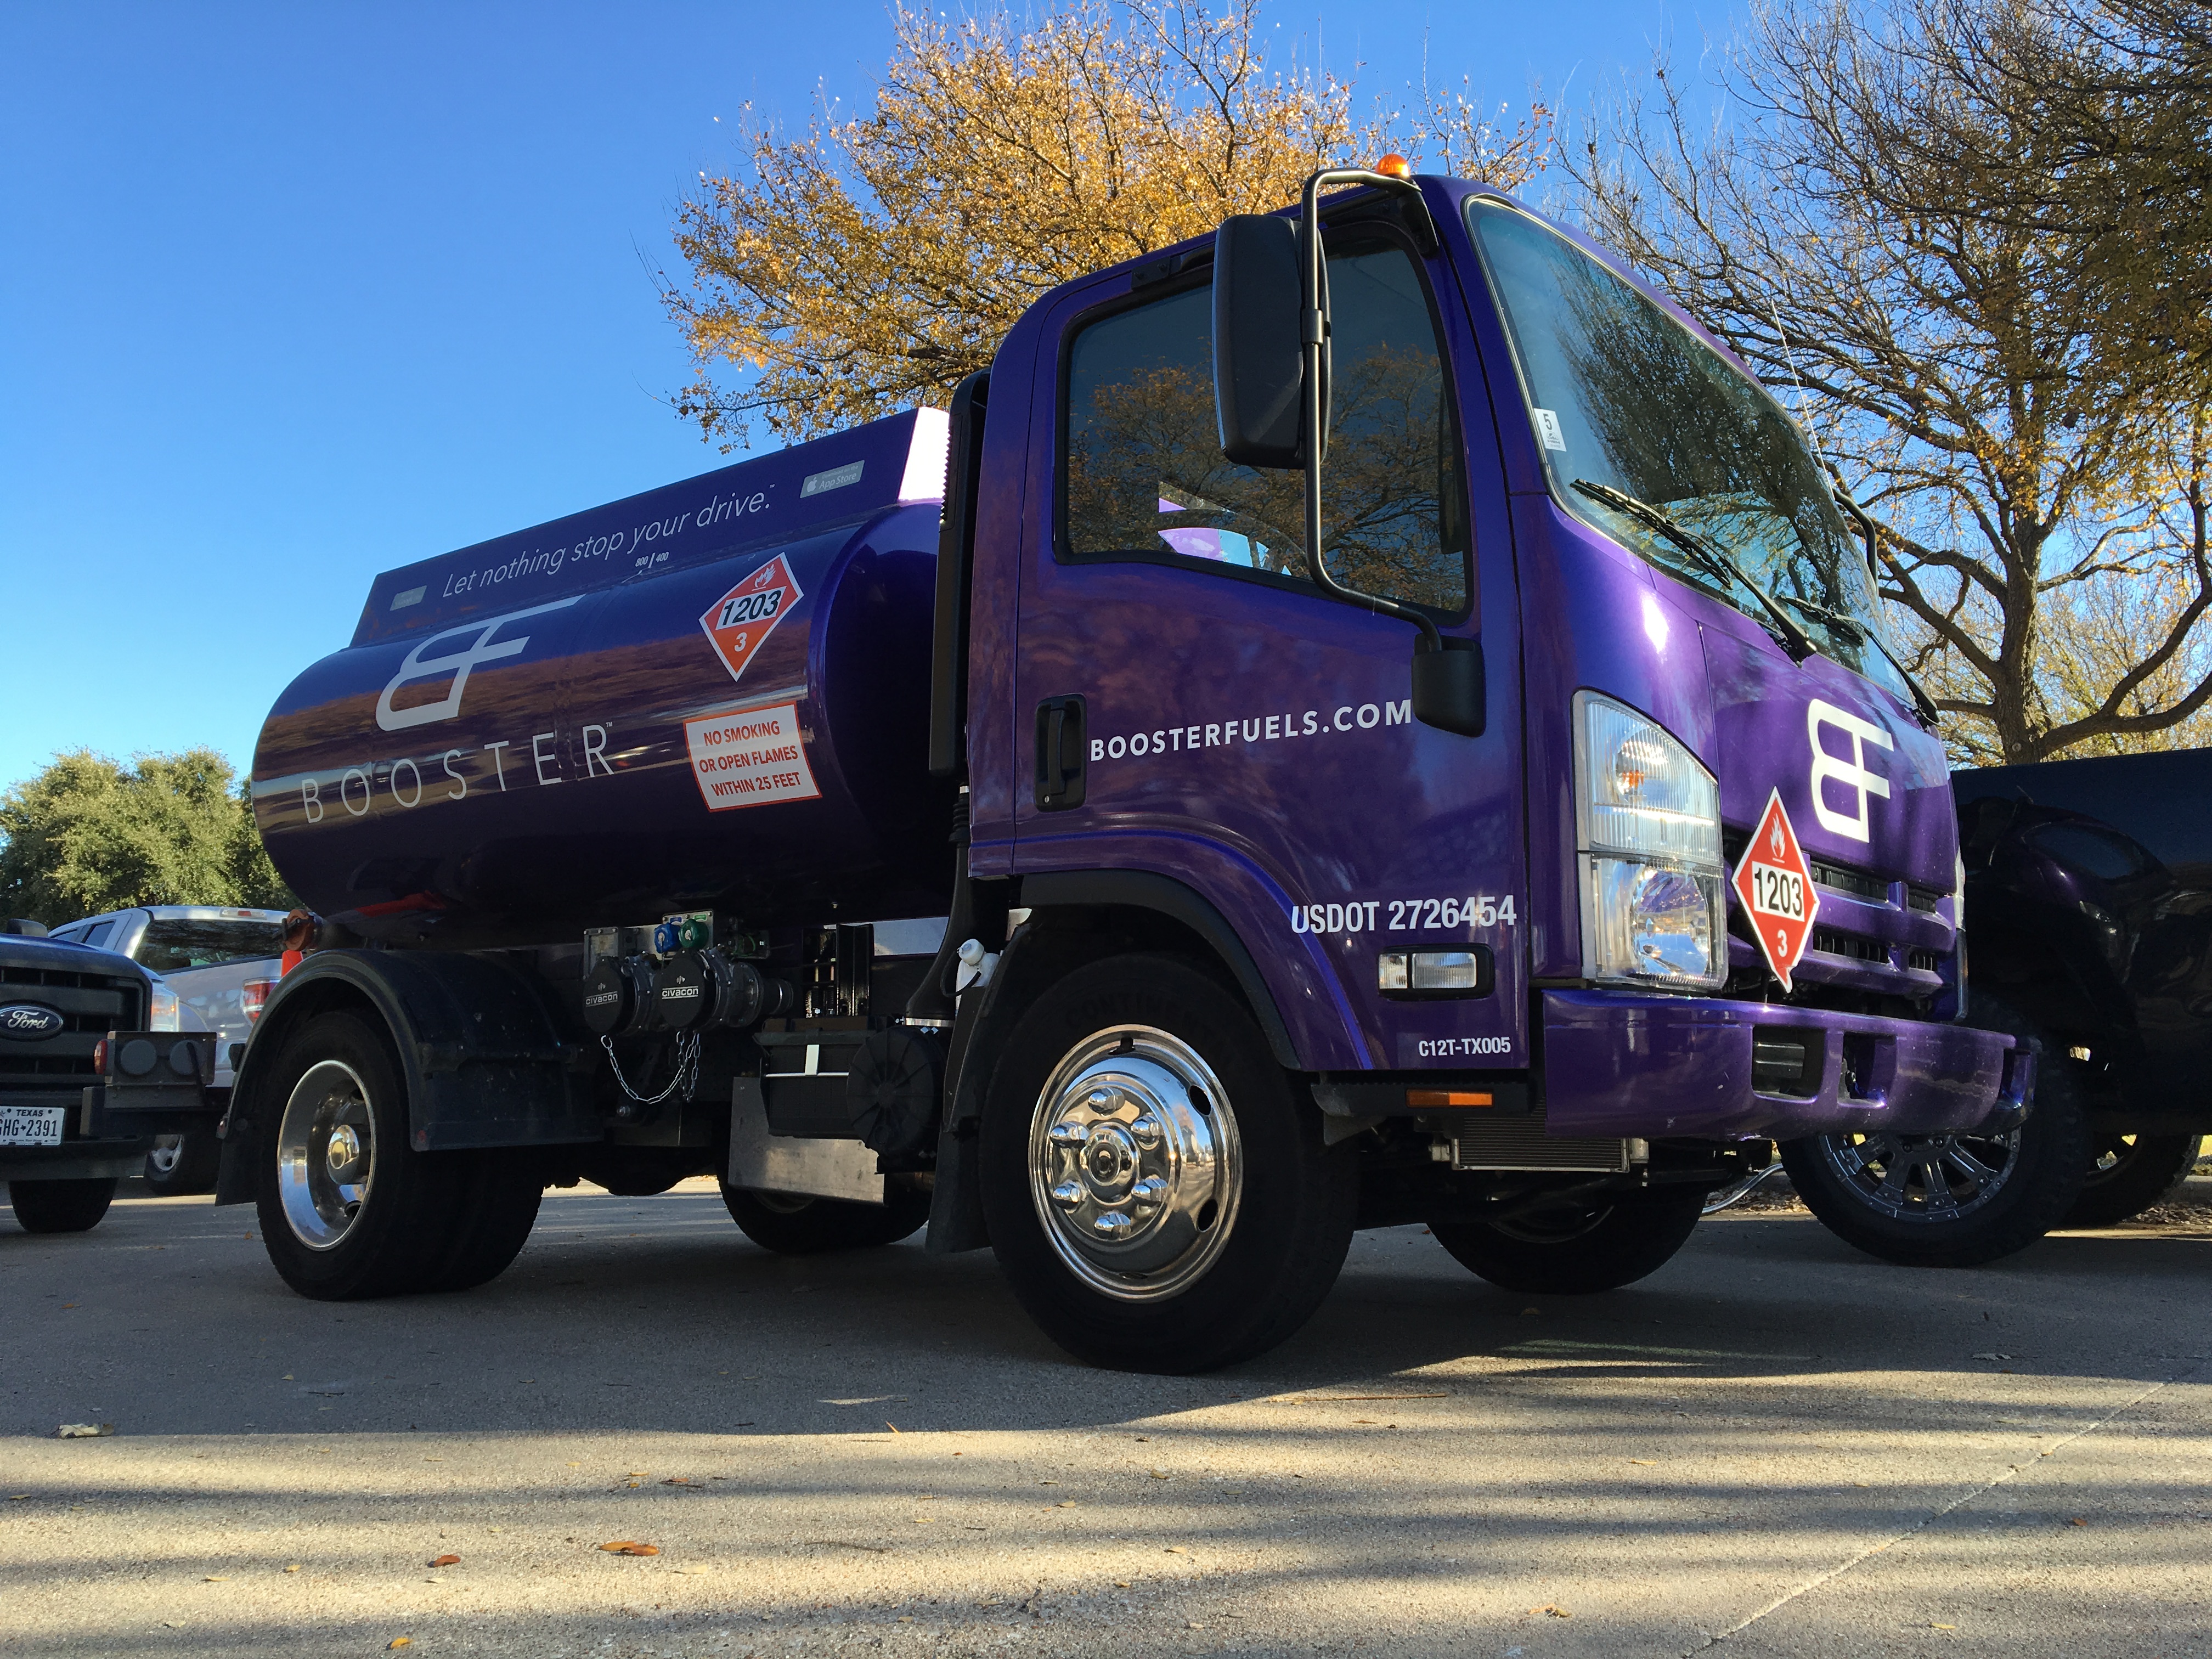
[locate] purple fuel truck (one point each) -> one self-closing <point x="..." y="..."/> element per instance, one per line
<point x="1000" y="820"/>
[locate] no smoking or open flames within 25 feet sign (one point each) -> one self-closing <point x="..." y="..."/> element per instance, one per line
<point x="1775" y="883"/>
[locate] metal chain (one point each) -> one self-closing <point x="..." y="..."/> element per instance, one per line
<point x="687" y="1070"/>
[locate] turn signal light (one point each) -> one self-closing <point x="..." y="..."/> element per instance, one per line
<point x="1433" y="1097"/>
<point x="253" y="997"/>
<point x="99" y="1058"/>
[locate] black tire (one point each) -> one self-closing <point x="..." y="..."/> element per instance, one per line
<point x="1954" y="1200"/>
<point x="185" y="1169"/>
<point x="499" y="1208"/>
<point x="61" y="1206"/>
<point x="790" y="1224"/>
<point x="1201" y="1289"/>
<point x="1599" y="1242"/>
<point x="399" y="1236"/>
<point x="2129" y="1174"/>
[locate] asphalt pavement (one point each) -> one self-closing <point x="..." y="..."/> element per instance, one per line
<point x="1774" y="1446"/>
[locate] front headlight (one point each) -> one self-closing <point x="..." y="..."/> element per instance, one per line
<point x="163" y="1013"/>
<point x="1653" y="882"/>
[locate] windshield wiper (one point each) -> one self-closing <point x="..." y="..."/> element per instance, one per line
<point x="1930" y="716"/>
<point x="1794" y="639"/>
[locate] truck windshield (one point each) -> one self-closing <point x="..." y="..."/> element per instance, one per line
<point x="1624" y="398"/>
<point x="173" y="943"/>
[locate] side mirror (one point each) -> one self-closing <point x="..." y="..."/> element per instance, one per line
<point x="1448" y="685"/>
<point x="1258" y="368"/>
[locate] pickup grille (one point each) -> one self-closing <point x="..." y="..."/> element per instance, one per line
<point x="90" y="1006"/>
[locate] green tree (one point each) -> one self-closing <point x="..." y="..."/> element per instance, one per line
<point x="87" y="834"/>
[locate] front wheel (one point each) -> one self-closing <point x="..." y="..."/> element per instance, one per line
<point x="61" y="1206"/>
<point x="1157" y="1190"/>
<point x="2129" y="1174"/>
<point x="1596" y="1242"/>
<point x="1954" y="1200"/>
<point x="790" y="1224"/>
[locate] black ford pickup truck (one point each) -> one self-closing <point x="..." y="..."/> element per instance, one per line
<point x="86" y="1079"/>
<point x="2089" y="923"/>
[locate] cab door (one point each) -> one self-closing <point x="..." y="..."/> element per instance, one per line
<point x="1189" y="704"/>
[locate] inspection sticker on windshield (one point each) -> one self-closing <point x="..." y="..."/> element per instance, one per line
<point x="1776" y="885"/>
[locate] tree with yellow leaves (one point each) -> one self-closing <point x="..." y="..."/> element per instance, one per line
<point x="873" y="263"/>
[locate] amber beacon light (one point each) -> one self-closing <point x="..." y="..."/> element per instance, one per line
<point x="1394" y="167"/>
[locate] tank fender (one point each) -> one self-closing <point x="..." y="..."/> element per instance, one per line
<point x="480" y="1047"/>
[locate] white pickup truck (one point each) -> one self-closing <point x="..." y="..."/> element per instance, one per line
<point x="221" y="962"/>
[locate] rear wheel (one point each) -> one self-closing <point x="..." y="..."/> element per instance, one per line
<point x="791" y="1224"/>
<point x="1157" y="1191"/>
<point x="60" y="1206"/>
<point x="2129" y="1173"/>
<point x="182" y="1164"/>
<point x="348" y="1208"/>
<point x="1954" y="1200"/>
<point x="1596" y="1242"/>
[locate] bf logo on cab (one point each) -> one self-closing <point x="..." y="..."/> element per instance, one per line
<point x="1841" y="784"/>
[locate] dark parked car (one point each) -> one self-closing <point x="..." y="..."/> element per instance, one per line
<point x="92" y="1067"/>
<point x="221" y="961"/>
<point x="2089" y="926"/>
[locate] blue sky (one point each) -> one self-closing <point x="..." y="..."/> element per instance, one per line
<point x="296" y="294"/>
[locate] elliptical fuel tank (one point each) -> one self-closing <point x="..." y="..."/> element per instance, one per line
<point x="705" y="697"/>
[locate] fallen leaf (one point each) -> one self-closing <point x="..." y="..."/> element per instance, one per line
<point x="1158" y="1474"/>
<point x="1936" y="1626"/>
<point x="444" y="1561"/>
<point x="2078" y="1522"/>
<point x="83" y="1431"/>
<point x="294" y="1567"/>
<point x="1177" y="1549"/>
<point x="631" y="1547"/>
<point x="17" y="1497"/>
<point x="1643" y="1463"/>
<point x="399" y="1642"/>
<point x="1065" y="1503"/>
<point x="893" y="1427"/>
<point x="287" y="1377"/>
<point x="216" y="1578"/>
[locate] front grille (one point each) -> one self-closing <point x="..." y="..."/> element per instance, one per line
<point x="90" y="1005"/>
<point x="1520" y="1143"/>
<point x="1857" y="883"/>
<point x="1924" y="899"/>
<point x="1926" y="962"/>
<point x="1837" y="943"/>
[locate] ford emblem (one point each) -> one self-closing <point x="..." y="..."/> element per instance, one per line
<point x="26" y="1022"/>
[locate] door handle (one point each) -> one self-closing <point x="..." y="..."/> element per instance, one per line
<point x="1061" y="750"/>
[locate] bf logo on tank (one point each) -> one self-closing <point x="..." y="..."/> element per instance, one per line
<point x="1842" y="786"/>
<point x="481" y="648"/>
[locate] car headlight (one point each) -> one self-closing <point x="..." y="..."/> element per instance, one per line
<point x="162" y="1011"/>
<point x="1648" y="834"/>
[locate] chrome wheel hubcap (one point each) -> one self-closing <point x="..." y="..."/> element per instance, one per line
<point x="1928" y="1178"/>
<point x="1134" y="1163"/>
<point x="167" y="1148"/>
<point x="325" y="1154"/>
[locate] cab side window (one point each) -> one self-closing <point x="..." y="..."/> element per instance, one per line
<point x="1143" y="476"/>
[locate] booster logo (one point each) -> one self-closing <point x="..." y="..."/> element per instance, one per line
<point x="1852" y="774"/>
<point x="737" y="622"/>
<point x="458" y="662"/>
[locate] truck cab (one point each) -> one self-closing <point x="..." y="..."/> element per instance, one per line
<point x="1524" y="864"/>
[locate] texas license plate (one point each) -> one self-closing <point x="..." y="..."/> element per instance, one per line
<point x="32" y="1125"/>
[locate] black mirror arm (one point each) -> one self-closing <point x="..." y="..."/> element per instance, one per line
<point x="1313" y="329"/>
